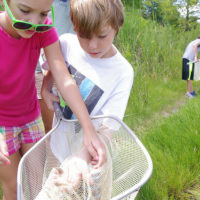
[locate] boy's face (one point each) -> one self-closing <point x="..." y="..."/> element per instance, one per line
<point x="99" y="46"/>
<point x="33" y="11"/>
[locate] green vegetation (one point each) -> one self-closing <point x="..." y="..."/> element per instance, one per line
<point x="1" y="7"/>
<point x="174" y="147"/>
<point x="155" y="52"/>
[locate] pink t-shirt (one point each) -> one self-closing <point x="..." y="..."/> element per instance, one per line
<point x="18" y="60"/>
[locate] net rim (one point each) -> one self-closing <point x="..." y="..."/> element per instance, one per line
<point x="135" y="188"/>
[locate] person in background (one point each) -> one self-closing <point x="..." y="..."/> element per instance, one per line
<point x="63" y="23"/>
<point x="190" y="55"/>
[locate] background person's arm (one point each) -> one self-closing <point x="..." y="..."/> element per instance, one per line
<point x="195" y="48"/>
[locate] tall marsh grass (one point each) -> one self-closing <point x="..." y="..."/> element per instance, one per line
<point x="174" y="147"/>
<point x="155" y="53"/>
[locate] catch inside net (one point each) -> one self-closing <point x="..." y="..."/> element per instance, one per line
<point x="47" y="170"/>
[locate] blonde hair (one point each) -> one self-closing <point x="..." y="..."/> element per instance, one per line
<point x="90" y="16"/>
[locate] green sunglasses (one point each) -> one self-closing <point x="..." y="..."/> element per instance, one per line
<point x="22" y="25"/>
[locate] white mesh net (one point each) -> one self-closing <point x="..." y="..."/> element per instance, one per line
<point x="43" y="171"/>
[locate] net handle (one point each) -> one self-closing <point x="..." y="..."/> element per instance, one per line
<point x="193" y="62"/>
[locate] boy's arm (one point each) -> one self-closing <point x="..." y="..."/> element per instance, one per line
<point x="47" y="86"/>
<point x="69" y="91"/>
<point x="195" y="49"/>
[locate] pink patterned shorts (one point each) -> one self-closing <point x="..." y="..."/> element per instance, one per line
<point x="28" y="133"/>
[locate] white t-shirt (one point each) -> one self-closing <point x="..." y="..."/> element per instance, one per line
<point x="189" y="51"/>
<point x="104" y="83"/>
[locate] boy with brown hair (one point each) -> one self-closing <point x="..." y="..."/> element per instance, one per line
<point x="93" y="60"/>
<point x="103" y="75"/>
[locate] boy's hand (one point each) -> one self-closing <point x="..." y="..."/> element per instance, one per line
<point x="196" y="59"/>
<point x="96" y="149"/>
<point x="3" y="152"/>
<point x="49" y="98"/>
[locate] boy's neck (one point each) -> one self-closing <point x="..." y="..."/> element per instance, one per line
<point x="111" y="52"/>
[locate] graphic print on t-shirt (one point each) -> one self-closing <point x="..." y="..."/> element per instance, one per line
<point x="90" y="93"/>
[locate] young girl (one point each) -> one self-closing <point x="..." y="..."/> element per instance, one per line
<point x="24" y="30"/>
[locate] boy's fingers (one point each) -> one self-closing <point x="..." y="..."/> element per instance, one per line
<point x="94" y="162"/>
<point x="55" y="98"/>
<point x="102" y="158"/>
<point x="92" y="151"/>
<point x="100" y="163"/>
<point x="50" y="102"/>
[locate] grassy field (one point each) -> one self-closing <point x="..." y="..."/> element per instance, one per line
<point x="155" y="53"/>
<point x="165" y="121"/>
<point x="173" y="143"/>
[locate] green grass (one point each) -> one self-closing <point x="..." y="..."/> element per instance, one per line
<point x="174" y="147"/>
<point x="1" y="7"/>
<point x="155" y="53"/>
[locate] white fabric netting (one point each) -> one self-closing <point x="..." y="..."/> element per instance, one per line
<point x="44" y="170"/>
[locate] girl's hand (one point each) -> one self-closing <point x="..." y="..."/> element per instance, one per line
<point x="3" y="151"/>
<point x="96" y="148"/>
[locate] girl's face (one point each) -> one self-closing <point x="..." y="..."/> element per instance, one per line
<point x="33" y="11"/>
<point x="99" y="46"/>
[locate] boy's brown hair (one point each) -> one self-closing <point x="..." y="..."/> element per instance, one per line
<point x="90" y="16"/>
